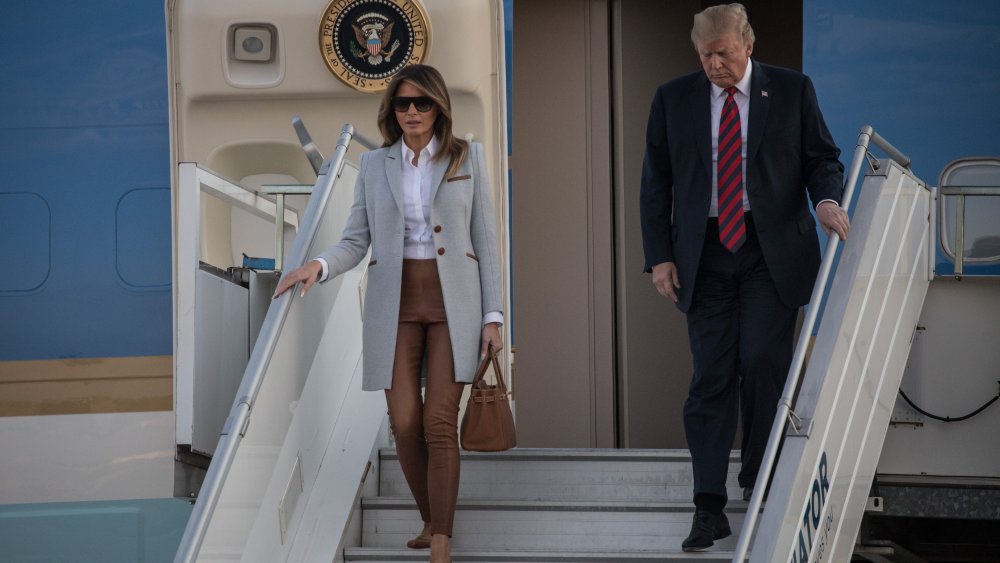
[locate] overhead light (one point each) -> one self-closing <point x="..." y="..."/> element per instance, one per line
<point x="253" y="43"/>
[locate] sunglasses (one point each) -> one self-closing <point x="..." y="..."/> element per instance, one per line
<point x="402" y="103"/>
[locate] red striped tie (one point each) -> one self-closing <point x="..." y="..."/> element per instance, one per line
<point x="732" y="229"/>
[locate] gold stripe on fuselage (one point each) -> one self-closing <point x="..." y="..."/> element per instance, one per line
<point x="86" y="386"/>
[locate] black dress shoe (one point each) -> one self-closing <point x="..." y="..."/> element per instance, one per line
<point x="705" y="529"/>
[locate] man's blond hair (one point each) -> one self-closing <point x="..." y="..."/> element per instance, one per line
<point x="716" y="21"/>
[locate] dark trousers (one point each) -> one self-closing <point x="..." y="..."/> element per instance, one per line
<point x="741" y="339"/>
<point x="426" y="428"/>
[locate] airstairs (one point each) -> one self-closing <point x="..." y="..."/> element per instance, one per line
<point x="312" y="475"/>
<point x="302" y="386"/>
<point x="531" y="505"/>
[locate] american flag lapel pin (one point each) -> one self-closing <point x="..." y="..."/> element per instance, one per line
<point x="763" y="93"/>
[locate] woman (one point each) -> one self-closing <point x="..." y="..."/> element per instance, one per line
<point x="423" y="204"/>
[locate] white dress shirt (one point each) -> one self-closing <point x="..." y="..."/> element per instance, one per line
<point x="418" y="237"/>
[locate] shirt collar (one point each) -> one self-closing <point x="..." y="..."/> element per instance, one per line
<point x="429" y="151"/>
<point x="743" y="85"/>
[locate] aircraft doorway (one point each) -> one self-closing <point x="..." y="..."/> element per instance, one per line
<point x="602" y="360"/>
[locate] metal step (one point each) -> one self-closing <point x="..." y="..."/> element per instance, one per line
<point x="380" y="555"/>
<point x="568" y="474"/>
<point x="532" y="505"/>
<point x="541" y="525"/>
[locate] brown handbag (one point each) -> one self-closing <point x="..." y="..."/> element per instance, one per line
<point x="488" y="425"/>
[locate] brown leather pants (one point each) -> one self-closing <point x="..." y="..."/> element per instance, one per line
<point x="426" y="430"/>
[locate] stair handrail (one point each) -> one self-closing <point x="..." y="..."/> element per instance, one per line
<point x="786" y="414"/>
<point x="239" y="416"/>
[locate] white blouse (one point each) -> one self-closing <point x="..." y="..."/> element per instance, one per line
<point x="418" y="239"/>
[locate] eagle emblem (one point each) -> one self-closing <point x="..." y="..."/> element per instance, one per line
<point x="365" y="43"/>
<point x="373" y="31"/>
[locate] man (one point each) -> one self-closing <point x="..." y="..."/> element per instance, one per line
<point x="731" y="155"/>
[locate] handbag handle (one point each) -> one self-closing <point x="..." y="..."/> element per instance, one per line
<point x="491" y="356"/>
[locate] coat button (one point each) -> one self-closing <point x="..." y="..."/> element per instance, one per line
<point x="437" y="228"/>
<point x="440" y="251"/>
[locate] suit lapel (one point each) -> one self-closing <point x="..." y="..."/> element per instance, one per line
<point x="759" y="105"/>
<point x="394" y="172"/>
<point x="703" y="121"/>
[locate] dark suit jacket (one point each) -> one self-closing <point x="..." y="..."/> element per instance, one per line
<point x="789" y="152"/>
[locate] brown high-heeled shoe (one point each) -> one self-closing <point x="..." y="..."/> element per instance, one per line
<point x="419" y="542"/>
<point x="423" y="540"/>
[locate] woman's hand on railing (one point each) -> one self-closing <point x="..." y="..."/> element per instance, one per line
<point x="308" y="274"/>
<point x="833" y="217"/>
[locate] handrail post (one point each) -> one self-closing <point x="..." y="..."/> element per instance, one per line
<point x="866" y="137"/>
<point x="959" y="236"/>
<point x="279" y="231"/>
<point x="931" y="240"/>
<point x="239" y="417"/>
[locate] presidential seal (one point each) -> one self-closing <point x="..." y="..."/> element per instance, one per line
<point x="366" y="42"/>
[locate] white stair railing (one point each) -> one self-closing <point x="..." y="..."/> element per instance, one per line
<point x="190" y="415"/>
<point x="296" y="352"/>
<point x="838" y="422"/>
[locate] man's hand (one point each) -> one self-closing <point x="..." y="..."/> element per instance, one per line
<point x="491" y="335"/>
<point x="666" y="281"/>
<point x="832" y="217"/>
<point x="307" y="273"/>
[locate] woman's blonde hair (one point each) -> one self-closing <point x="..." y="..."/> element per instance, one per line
<point x="430" y="83"/>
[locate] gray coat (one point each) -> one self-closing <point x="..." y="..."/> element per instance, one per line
<point x="467" y="257"/>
